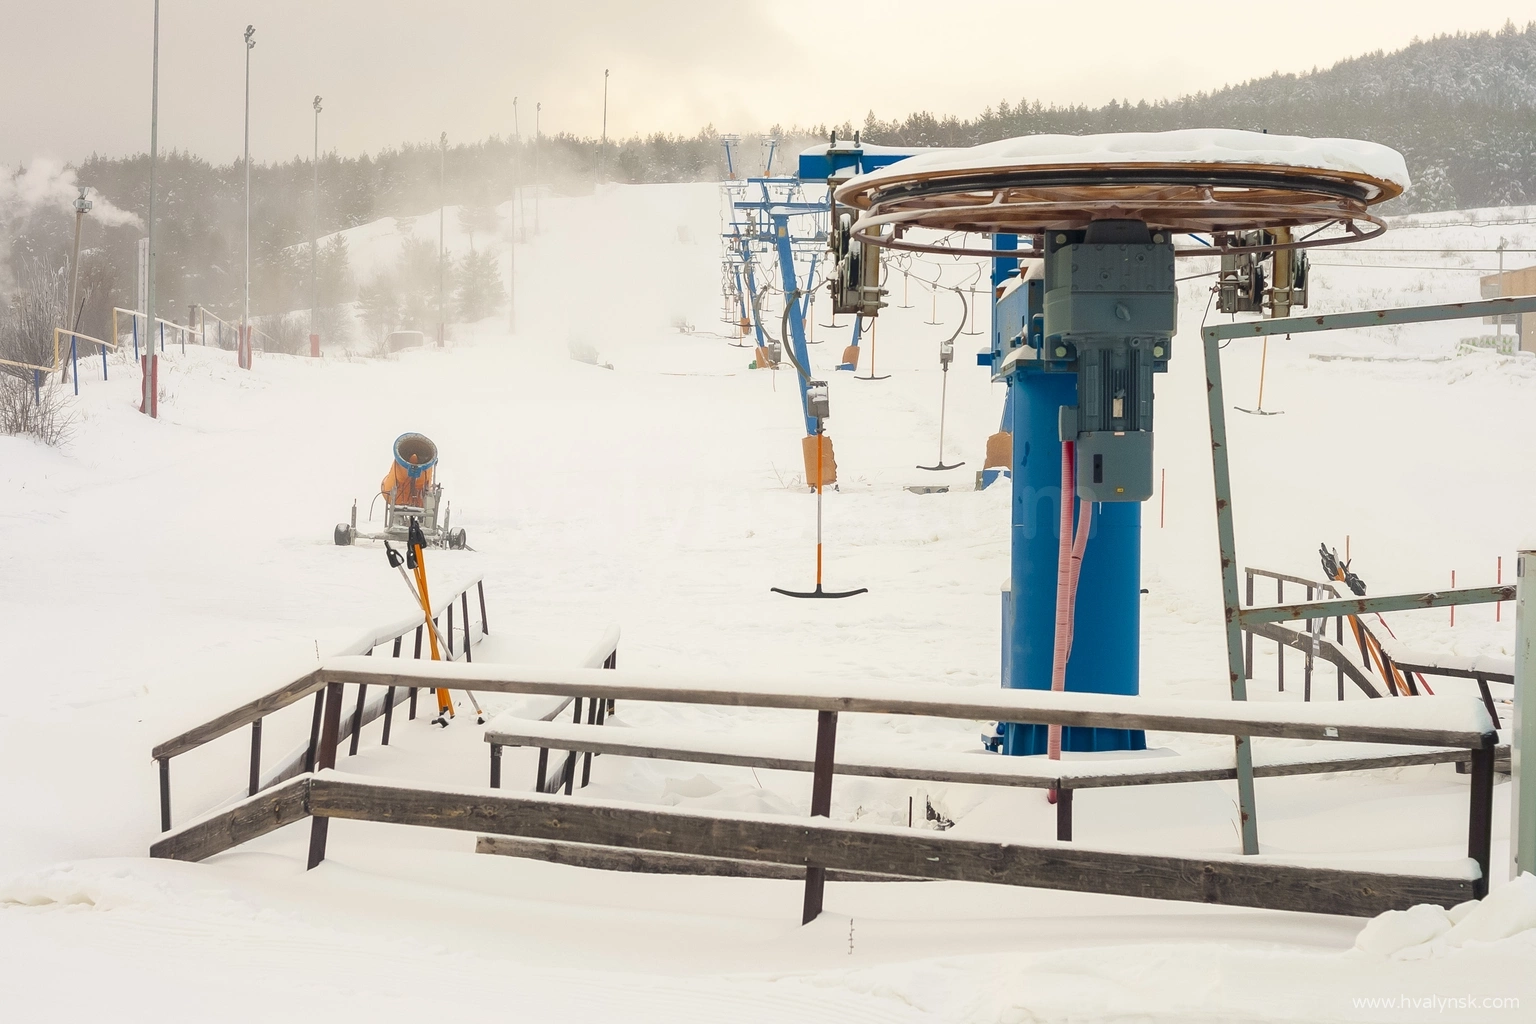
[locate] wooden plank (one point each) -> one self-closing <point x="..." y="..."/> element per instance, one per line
<point x="619" y="742"/>
<point x="1230" y="718"/>
<point x="616" y="858"/>
<point x="1457" y="673"/>
<point x="1063" y="774"/>
<point x="247" y="820"/>
<point x="241" y="716"/>
<point x="1236" y="881"/>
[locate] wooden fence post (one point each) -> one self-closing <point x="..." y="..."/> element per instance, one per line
<point x="255" y="758"/>
<point x="1480" y="818"/>
<point x="165" y="794"/>
<point x="821" y="806"/>
<point x="1063" y="813"/>
<point x="331" y="727"/>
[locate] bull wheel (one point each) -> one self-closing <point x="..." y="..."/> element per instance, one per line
<point x="457" y="539"/>
<point x="343" y="535"/>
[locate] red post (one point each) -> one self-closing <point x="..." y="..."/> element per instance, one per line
<point x="314" y="346"/>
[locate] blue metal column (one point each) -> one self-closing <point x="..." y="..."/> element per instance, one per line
<point x="1106" y="656"/>
<point x="791" y="287"/>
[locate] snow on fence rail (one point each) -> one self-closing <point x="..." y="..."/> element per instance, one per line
<point x="253" y="712"/>
<point x="817" y="846"/>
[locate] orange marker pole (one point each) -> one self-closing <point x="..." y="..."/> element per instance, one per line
<point x="819" y="435"/>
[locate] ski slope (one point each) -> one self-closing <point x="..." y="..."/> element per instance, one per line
<point x="161" y="572"/>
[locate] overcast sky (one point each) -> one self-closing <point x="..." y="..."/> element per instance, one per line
<point x="76" y="73"/>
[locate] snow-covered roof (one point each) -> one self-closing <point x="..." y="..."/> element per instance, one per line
<point x="1191" y="146"/>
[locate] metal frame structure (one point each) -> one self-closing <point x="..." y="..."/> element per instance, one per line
<point x="1236" y="615"/>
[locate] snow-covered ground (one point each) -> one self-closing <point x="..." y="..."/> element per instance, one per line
<point x="158" y="573"/>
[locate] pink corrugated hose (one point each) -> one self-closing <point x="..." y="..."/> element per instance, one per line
<point x="1068" y="566"/>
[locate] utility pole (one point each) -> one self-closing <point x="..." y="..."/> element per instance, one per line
<point x="314" y="247"/>
<point x="245" y="313"/>
<point x="82" y="204"/>
<point x="442" y="201"/>
<point x="537" y="109"/>
<point x="602" y="155"/>
<point x="151" y="396"/>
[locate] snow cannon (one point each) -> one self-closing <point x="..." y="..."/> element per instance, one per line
<point x="410" y="474"/>
<point x="411" y="492"/>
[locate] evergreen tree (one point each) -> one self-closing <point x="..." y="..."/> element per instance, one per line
<point x="480" y="290"/>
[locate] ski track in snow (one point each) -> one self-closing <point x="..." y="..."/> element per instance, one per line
<point x="160" y="573"/>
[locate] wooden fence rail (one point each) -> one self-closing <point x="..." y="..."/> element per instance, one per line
<point x="815" y="845"/>
<point x="253" y="712"/>
<point x="1456" y="722"/>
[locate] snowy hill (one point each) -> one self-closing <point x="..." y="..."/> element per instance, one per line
<point x="161" y="572"/>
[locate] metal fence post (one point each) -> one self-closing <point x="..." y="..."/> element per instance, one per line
<point x="1248" y="634"/>
<point x="468" y="639"/>
<point x="357" y="720"/>
<point x="1522" y="826"/>
<point x="74" y="363"/>
<point x="485" y="630"/>
<point x="389" y="700"/>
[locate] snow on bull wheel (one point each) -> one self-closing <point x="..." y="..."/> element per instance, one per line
<point x="343" y="535"/>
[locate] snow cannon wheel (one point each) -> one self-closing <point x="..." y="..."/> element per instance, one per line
<point x="343" y="535"/>
<point x="457" y="539"/>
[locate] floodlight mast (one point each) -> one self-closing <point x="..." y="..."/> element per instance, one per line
<point x="148" y="406"/>
<point x="245" y="313"/>
<point x="442" y="200"/>
<point x="82" y="205"/>
<point x="314" y="244"/>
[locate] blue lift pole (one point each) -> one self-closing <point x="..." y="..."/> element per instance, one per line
<point x="796" y="339"/>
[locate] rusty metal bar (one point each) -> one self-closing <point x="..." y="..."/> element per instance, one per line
<point x="1367" y="605"/>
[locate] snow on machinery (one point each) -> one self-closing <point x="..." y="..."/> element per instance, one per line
<point x="410" y="492"/>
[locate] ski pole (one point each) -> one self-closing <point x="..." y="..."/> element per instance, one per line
<point x="415" y="558"/>
<point x="399" y="563"/>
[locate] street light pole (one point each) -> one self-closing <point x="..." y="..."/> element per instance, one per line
<point x="245" y="312"/>
<point x="602" y="155"/>
<point x="149" y="405"/>
<point x="82" y="204"/>
<point x="314" y="247"/>
<point x="442" y="201"/>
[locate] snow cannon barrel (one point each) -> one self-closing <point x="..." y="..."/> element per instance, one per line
<point x="410" y="474"/>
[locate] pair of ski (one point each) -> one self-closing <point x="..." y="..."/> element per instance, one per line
<point x="415" y="560"/>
